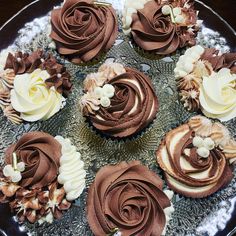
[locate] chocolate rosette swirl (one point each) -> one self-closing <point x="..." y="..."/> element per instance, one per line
<point x="82" y="30"/>
<point x="157" y="33"/>
<point x="127" y="196"/>
<point x="133" y="106"/>
<point x="190" y="169"/>
<point x="41" y="154"/>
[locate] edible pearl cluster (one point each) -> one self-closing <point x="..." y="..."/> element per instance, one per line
<point x="203" y="146"/>
<point x="185" y="64"/>
<point x="175" y="13"/>
<point x="104" y="94"/>
<point x="14" y="172"/>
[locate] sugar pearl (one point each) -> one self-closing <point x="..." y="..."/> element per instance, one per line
<point x="98" y="92"/>
<point x="197" y="141"/>
<point x="166" y="9"/>
<point x="203" y="152"/>
<point x="179" y="19"/>
<point x="105" y="101"/>
<point x="208" y="143"/>
<point x="177" y="11"/>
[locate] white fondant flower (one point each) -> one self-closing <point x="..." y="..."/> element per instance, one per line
<point x="14" y="174"/>
<point x="218" y="95"/>
<point x="33" y="99"/>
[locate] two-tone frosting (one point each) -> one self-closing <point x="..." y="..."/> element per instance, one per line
<point x="161" y="27"/>
<point x="83" y="30"/>
<point x="41" y="177"/>
<point x="193" y="157"/>
<point x="33" y="86"/>
<point x="206" y="80"/>
<point x="131" y="108"/>
<point x="127" y="198"/>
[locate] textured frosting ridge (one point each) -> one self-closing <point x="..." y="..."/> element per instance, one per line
<point x="193" y="157"/>
<point x="41" y="154"/>
<point x="83" y="30"/>
<point x="71" y="171"/>
<point x="155" y="31"/>
<point x="127" y="197"/>
<point x="132" y="108"/>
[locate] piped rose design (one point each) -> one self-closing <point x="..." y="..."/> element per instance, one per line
<point x="83" y="30"/>
<point x="127" y="197"/>
<point x="194" y="160"/>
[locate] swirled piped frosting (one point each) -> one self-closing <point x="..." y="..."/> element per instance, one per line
<point x="127" y="198"/>
<point x="71" y="171"/>
<point x="195" y="158"/>
<point x="82" y="30"/>
<point x="206" y="81"/>
<point x="128" y="105"/>
<point x="29" y="180"/>
<point x="161" y="27"/>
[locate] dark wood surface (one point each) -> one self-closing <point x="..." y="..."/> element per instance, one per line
<point x="226" y="8"/>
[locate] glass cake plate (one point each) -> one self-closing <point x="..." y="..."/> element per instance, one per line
<point x="207" y="216"/>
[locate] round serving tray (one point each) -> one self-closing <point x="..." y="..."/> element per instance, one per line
<point x="27" y="31"/>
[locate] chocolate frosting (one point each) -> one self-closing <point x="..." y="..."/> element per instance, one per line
<point x="82" y="30"/>
<point x="226" y="60"/>
<point x="127" y="196"/>
<point x="41" y="154"/>
<point x="155" y="32"/>
<point x="132" y="108"/>
<point x="219" y="173"/>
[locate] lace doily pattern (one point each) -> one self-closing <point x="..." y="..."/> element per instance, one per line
<point x="97" y="151"/>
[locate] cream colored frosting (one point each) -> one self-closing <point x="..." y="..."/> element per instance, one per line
<point x="32" y="98"/>
<point x="131" y="7"/>
<point x="185" y="64"/>
<point x="218" y="95"/>
<point x="71" y="172"/>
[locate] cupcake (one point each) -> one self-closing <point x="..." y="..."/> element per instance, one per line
<point x="127" y="199"/>
<point x="83" y="29"/>
<point x="32" y="86"/>
<point x="197" y="157"/>
<point x="206" y="81"/>
<point x="42" y="177"/>
<point x="119" y="102"/>
<point x="161" y="26"/>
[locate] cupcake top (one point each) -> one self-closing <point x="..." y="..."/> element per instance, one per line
<point x="119" y="101"/>
<point x="41" y="177"/>
<point x="83" y="29"/>
<point x="127" y="198"/>
<point x="159" y="26"/>
<point x="196" y="157"/>
<point x="206" y="80"/>
<point x="32" y="86"/>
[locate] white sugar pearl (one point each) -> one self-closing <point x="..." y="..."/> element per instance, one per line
<point x="203" y="152"/>
<point x="177" y="11"/>
<point x="105" y="101"/>
<point x="18" y="59"/>
<point x="21" y="166"/>
<point x="179" y="19"/>
<point x="197" y="141"/>
<point x="188" y="67"/>
<point x="208" y="143"/>
<point x="108" y="90"/>
<point x="98" y="92"/>
<point x="8" y="170"/>
<point x="166" y="9"/>
<point x="16" y="177"/>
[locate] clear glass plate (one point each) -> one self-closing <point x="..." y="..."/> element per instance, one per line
<point x="206" y="216"/>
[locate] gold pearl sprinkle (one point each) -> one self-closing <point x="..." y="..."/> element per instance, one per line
<point x="102" y="4"/>
<point x="14" y="161"/>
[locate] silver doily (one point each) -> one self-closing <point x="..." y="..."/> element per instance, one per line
<point x="191" y="215"/>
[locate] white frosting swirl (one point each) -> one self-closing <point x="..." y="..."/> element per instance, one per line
<point x="218" y="95"/>
<point x="33" y="99"/>
<point x="71" y="171"/>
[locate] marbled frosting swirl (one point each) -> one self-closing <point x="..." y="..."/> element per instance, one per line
<point x="187" y="171"/>
<point x="133" y="107"/>
<point x="82" y="30"/>
<point x="41" y="154"/>
<point x="155" y="32"/>
<point x="127" y="196"/>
